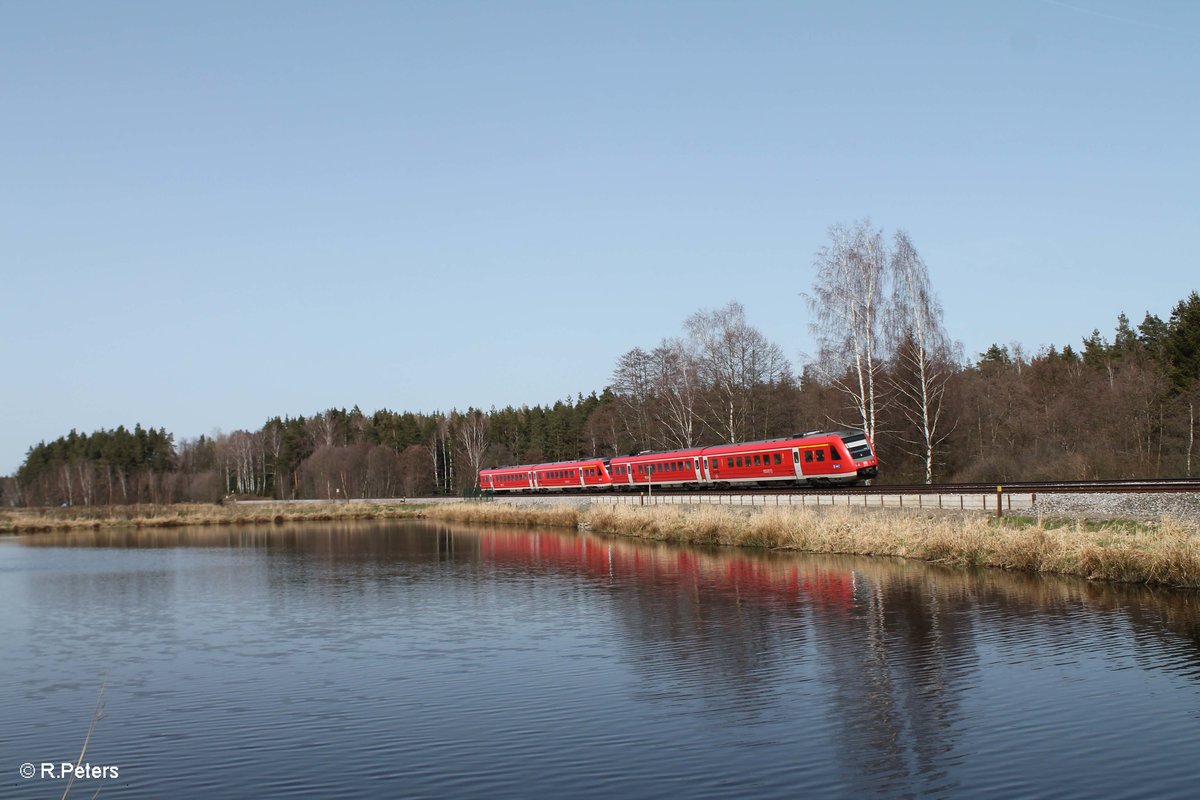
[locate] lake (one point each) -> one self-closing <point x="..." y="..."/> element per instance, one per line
<point x="388" y="660"/>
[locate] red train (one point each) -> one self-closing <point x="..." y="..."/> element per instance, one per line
<point x="818" y="459"/>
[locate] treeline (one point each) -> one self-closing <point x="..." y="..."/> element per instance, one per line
<point x="1118" y="408"/>
<point x="336" y="454"/>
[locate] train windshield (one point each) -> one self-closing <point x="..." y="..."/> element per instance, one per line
<point x="857" y="447"/>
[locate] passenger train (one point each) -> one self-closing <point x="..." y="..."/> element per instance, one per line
<point x="808" y="459"/>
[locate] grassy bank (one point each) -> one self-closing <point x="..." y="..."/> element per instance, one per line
<point x="175" y="516"/>
<point x="1166" y="553"/>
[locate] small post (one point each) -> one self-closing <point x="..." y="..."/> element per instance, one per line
<point x="999" y="497"/>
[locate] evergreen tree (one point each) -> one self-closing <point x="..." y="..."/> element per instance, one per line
<point x="1181" y="346"/>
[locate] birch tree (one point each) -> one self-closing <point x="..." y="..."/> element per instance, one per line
<point x="632" y="385"/>
<point x="473" y="435"/>
<point x="676" y="383"/>
<point x="848" y="307"/>
<point x="922" y="353"/>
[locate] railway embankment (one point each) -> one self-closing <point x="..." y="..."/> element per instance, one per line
<point x="1163" y="552"/>
<point x="1120" y="505"/>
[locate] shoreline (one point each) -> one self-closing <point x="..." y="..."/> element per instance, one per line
<point x="47" y="520"/>
<point x="1163" y="553"/>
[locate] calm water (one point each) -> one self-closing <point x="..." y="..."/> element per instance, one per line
<point x="404" y="660"/>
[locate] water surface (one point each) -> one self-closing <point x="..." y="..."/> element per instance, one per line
<point x="375" y="660"/>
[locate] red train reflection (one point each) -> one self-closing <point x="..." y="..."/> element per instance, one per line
<point x="761" y="576"/>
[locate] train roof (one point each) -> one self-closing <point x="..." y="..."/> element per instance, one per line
<point x="792" y="438"/>
<point x="543" y="464"/>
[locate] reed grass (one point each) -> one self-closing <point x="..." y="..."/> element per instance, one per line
<point x="505" y="514"/>
<point x="185" y="514"/>
<point x="1165" y="553"/>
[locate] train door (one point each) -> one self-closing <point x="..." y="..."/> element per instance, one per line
<point x="699" y="462"/>
<point x="796" y="464"/>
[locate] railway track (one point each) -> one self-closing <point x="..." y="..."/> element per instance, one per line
<point x="1159" y="485"/>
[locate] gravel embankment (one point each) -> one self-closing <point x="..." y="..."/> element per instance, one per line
<point x="1134" y="505"/>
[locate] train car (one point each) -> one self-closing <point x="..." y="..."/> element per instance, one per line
<point x="507" y="480"/>
<point x="585" y="474"/>
<point x="816" y="458"/>
<point x="810" y="459"/>
<point x="673" y="468"/>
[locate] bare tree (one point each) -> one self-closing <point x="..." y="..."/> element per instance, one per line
<point x="602" y="431"/>
<point x="848" y="305"/>
<point x="473" y="435"/>
<point x="922" y="353"/>
<point x="733" y="360"/>
<point x="632" y="385"/>
<point x="416" y="478"/>
<point x="675" y="380"/>
<point x="441" y="453"/>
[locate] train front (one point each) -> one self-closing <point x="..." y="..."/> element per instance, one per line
<point x="862" y="454"/>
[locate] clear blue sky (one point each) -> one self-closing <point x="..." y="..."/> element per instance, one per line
<point x="212" y="213"/>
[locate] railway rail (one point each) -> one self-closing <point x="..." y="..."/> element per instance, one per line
<point x="1022" y="487"/>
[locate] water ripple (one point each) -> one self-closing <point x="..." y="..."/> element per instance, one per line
<point x="381" y="660"/>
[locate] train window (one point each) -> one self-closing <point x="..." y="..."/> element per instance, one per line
<point x="821" y="455"/>
<point x="833" y="454"/>
<point x="758" y="461"/>
<point x="739" y="461"/>
<point x="808" y="455"/>
<point x="731" y="462"/>
<point x="712" y="463"/>
<point x="778" y="459"/>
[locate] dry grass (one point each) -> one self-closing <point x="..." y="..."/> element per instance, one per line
<point x="560" y="516"/>
<point x="174" y="516"/>
<point x="1166" y="553"/>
